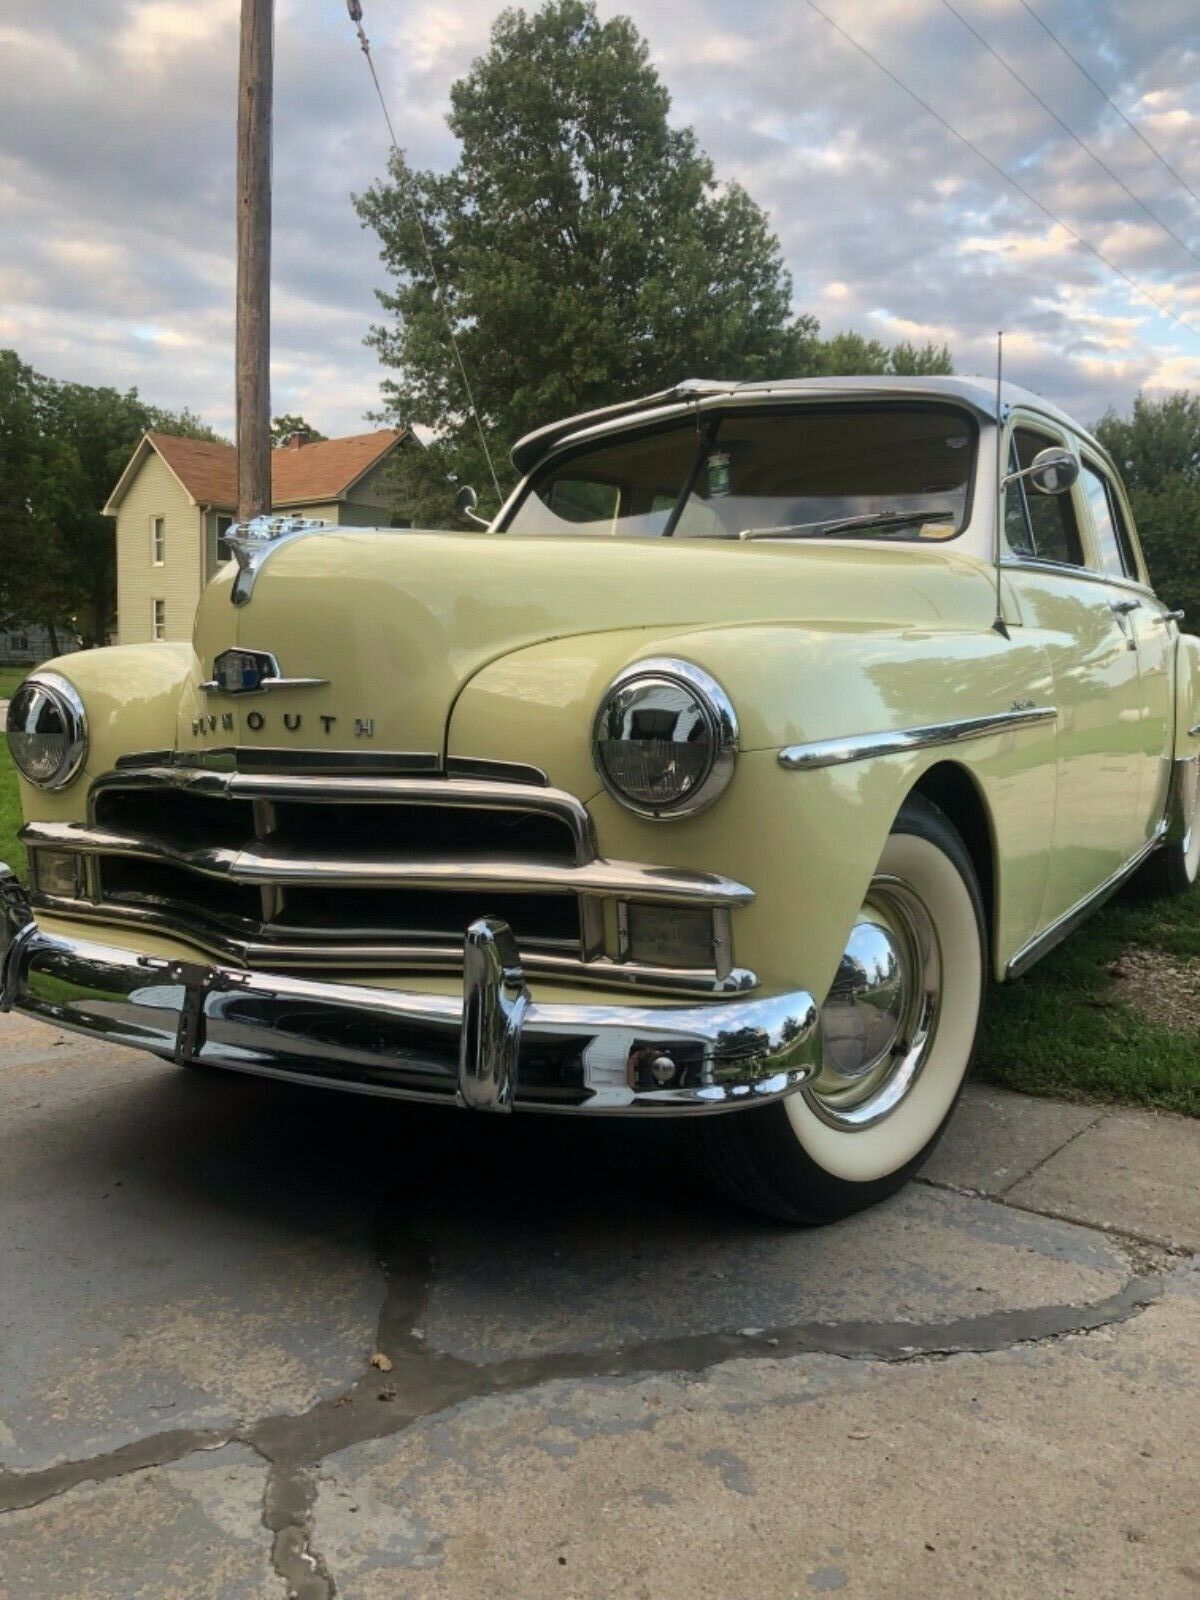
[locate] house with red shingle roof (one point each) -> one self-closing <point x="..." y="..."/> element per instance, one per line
<point x="176" y="498"/>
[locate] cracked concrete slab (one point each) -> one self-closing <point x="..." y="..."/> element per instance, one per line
<point x="153" y="1274"/>
<point x="926" y="1256"/>
<point x="1134" y="1172"/>
<point x="589" y="1355"/>
<point x="1052" y="1471"/>
<point x="996" y="1138"/>
<point x="189" y="1531"/>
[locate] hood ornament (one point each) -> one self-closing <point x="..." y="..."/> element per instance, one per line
<point x="252" y="672"/>
<point x="252" y="542"/>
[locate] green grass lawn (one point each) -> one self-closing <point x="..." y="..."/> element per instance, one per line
<point x="10" y="677"/>
<point x="1064" y="1030"/>
<point x="10" y="813"/>
<point x="1061" y="1030"/>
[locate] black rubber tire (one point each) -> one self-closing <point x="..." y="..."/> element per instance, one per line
<point x="756" y="1158"/>
<point x="1167" y="873"/>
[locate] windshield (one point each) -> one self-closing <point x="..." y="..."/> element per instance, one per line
<point x="793" y="470"/>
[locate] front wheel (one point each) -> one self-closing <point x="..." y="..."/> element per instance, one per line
<point x="898" y="1030"/>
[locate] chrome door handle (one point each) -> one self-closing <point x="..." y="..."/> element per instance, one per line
<point x="1172" y="616"/>
<point x="1124" y="607"/>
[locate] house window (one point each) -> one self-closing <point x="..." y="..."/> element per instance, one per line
<point x="158" y="540"/>
<point x="158" y="625"/>
<point x="18" y="641"/>
<point x="224" y="553"/>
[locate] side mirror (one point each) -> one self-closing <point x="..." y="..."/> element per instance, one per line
<point x="465" y="500"/>
<point x="1052" y="471"/>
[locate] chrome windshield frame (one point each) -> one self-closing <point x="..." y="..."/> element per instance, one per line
<point x="708" y="411"/>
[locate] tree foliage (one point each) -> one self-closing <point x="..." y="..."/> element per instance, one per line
<point x="1157" y="448"/>
<point x="586" y="251"/>
<point x="62" y="448"/>
<point x="283" y="427"/>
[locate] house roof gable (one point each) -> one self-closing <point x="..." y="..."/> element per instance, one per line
<point x="325" y="470"/>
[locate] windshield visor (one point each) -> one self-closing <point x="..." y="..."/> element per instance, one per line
<point x="719" y="477"/>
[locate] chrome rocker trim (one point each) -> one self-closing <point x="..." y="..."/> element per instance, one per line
<point x="1041" y="944"/>
<point x="866" y="746"/>
<point x="493" y="1049"/>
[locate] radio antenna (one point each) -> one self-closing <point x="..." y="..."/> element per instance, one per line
<point x="354" y="7"/>
<point x="999" y="625"/>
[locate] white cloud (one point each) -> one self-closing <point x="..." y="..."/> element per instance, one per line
<point x="116" y="169"/>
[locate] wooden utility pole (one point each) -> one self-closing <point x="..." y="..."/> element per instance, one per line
<point x="253" y="357"/>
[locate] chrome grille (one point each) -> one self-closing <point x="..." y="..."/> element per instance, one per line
<point x="288" y="870"/>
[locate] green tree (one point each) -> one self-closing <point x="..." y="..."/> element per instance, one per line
<point x="586" y="251"/>
<point x="1157" y="448"/>
<point x="283" y="427"/>
<point x="62" y="448"/>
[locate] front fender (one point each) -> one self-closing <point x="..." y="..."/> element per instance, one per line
<point x="806" y="842"/>
<point x="131" y="695"/>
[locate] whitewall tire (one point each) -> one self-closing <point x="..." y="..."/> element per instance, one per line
<point x="898" y="1030"/>
<point x="1175" y="868"/>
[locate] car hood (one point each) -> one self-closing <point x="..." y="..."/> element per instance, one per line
<point x="397" y="623"/>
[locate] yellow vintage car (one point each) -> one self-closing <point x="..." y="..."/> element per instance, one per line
<point x="712" y="779"/>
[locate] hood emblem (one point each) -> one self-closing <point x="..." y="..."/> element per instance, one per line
<point x="252" y="542"/>
<point x="252" y="672"/>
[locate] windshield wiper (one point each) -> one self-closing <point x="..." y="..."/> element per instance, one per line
<point x="830" y="530"/>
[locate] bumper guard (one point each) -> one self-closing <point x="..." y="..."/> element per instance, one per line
<point x="492" y="1050"/>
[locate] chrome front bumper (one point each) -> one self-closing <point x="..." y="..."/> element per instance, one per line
<point x="493" y="1049"/>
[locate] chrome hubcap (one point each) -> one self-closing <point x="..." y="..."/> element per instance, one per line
<point x="878" y="1023"/>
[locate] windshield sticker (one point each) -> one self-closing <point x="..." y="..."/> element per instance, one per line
<point x="719" y="482"/>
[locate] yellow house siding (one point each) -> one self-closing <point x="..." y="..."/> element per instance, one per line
<point x="155" y="491"/>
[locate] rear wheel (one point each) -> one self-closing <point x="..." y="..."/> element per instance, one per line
<point x="898" y="1030"/>
<point x="1175" y="868"/>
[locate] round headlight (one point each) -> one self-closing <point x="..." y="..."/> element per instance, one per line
<point x="665" y="738"/>
<point x="47" y="730"/>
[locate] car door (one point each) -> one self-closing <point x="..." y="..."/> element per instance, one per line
<point x="1151" y="627"/>
<point x="1051" y="566"/>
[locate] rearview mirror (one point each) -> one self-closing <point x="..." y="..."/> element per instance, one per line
<point x="1052" y="471"/>
<point x="465" y="500"/>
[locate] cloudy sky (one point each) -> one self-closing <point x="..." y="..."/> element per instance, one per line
<point x="116" y="180"/>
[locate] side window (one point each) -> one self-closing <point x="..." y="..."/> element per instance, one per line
<point x="224" y="553"/>
<point x="1111" y="546"/>
<point x="1042" y="525"/>
<point x="1112" y="535"/>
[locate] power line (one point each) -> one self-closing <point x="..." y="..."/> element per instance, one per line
<point x="1101" y="90"/>
<point x="1067" y="129"/>
<point x="355" y="9"/>
<point x="1000" y="172"/>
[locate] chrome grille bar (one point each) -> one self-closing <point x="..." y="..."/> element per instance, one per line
<point x="271" y="882"/>
<point x="339" y="789"/>
<point x="259" y="863"/>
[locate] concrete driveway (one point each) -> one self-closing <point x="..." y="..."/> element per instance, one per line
<point x="592" y="1379"/>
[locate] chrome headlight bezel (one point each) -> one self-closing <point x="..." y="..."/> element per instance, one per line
<point x="716" y="711"/>
<point x="26" y="706"/>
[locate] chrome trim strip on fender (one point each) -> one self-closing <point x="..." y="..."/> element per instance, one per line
<point x="867" y="746"/>
<point x="582" y="1059"/>
<point x="1042" y="943"/>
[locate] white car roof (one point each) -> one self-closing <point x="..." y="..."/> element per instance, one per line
<point x="977" y="393"/>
